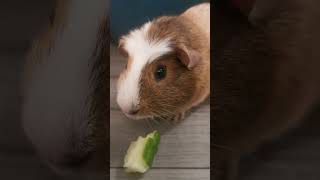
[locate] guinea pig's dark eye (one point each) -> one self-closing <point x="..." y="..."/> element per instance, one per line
<point x="160" y="72"/>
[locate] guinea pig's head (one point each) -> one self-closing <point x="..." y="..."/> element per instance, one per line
<point x="160" y="77"/>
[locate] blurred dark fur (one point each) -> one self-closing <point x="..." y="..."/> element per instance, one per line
<point x="265" y="75"/>
<point x="66" y="107"/>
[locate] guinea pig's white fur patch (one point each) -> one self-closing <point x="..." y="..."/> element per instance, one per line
<point x="141" y="51"/>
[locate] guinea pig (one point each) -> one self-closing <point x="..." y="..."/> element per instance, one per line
<point x="65" y="80"/>
<point x="266" y="75"/>
<point x="168" y="65"/>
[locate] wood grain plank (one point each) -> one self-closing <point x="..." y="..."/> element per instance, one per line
<point x="186" y="144"/>
<point x="163" y="174"/>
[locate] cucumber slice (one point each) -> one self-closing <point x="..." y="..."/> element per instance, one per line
<point x="140" y="154"/>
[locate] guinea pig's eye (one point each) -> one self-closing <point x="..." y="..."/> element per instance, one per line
<point x="160" y="72"/>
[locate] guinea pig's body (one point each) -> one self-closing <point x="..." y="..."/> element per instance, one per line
<point x="168" y="70"/>
<point x="266" y="75"/>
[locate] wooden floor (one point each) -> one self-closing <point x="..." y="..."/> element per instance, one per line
<point x="184" y="151"/>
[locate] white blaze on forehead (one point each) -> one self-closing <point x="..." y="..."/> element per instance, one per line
<point x="142" y="51"/>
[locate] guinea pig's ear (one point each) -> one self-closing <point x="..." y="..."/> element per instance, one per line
<point x="121" y="48"/>
<point x="189" y="57"/>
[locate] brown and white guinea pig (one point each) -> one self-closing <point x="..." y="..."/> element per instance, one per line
<point x="168" y="68"/>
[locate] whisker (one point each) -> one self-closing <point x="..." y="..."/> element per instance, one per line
<point x="163" y="117"/>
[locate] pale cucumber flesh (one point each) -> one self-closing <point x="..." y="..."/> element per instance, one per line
<point x="140" y="154"/>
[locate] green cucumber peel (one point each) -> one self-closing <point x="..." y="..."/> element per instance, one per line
<point x="140" y="154"/>
<point x="151" y="147"/>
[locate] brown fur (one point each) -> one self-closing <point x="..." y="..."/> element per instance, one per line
<point x="170" y="95"/>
